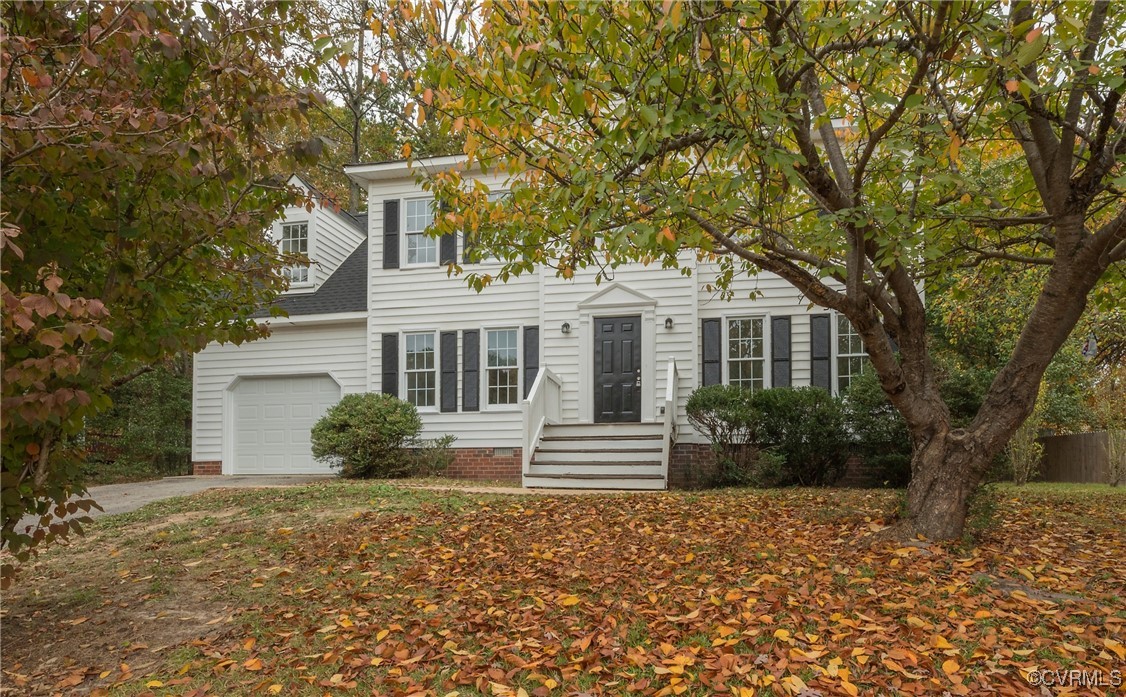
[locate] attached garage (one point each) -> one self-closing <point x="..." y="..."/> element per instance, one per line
<point x="273" y="417"/>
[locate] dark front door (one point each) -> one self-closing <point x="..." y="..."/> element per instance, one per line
<point x="617" y="369"/>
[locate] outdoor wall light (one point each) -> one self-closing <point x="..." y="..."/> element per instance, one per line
<point x="668" y="323"/>
<point x="566" y="328"/>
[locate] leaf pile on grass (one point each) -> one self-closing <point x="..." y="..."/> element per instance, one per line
<point x="733" y="593"/>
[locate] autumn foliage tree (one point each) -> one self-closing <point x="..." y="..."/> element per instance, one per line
<point x="853" y="149"/>
<point x="139" y="182"/>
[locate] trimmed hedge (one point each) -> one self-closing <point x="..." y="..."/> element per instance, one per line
<point x="774" y="437"/>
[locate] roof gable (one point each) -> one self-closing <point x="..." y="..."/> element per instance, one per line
<point x="617" y="294"/>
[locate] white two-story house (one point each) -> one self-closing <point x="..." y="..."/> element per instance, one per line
<point x="558" y="383"/>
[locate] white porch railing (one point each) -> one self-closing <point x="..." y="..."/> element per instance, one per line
<point x="543" y="405"/>
<point x="671" y="381"/>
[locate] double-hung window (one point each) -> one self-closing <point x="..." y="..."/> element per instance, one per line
<point x="421" y="248"/>
<point x="502" y="372"/>
<point x="421" y="376"/>
<point x="295" y="240"/>
<point x="852" y="360"/>
<point x="746" y="359"/>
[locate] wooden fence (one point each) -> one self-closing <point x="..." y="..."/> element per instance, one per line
<point x="1079" y="457"/>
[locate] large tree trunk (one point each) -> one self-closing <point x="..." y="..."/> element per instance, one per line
<point x="944" y="474"/>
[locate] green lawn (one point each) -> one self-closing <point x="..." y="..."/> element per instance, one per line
<point x="345" y="588"/>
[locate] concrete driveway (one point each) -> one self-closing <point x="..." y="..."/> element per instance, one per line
<point x="122" y="498"/>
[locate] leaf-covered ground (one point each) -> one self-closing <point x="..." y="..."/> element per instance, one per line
<point x="345" y="589"/>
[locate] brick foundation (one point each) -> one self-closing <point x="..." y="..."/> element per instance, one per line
<point x="486" y="463"/>
<point x="207" y="467"/>
<point x="691" y="466"/>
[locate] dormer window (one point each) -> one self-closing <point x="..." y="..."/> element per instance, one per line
<point x="295" y="240"/>
<point x="421" y="248"/>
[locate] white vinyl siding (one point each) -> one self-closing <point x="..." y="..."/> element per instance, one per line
<point x="746" y="355"/>
<point x="420" y="247"/>
<point x="295" y="240"/>
<point x="502" y="367"/>
<point x="852" y="359"/>
<point x="420" y="372"/>
<point x="337" y="350"/>
<point x="424" y="298"/>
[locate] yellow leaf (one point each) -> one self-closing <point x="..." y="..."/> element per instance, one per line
<point x="382" y="634"/>
<point x="941" y="642"/>
<point x="154" y="683"/>
<point x="406" y="151"/>
<point x="955" y="146"/>
<point x="950" y="666"/>
<point x="781" y="634"/>
<point x="849" y="687"/>
<point x="1116" y="647"/>
<point x="569" y="600"/>
<point x="284" y="531"/>
<point x="550" y="684"/>
<point x="252" y="664"/>
<point x="274" y="689"/>
<point x="915" y="622"/>
<point x="248" y="644"/>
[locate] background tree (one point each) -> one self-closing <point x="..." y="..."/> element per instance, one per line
<point x="853" y="149"/>
<point x="379" y="47"/>
<point x="140" y="181"/>
<point x="147" y="431"/>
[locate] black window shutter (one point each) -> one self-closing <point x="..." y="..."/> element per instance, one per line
<point x="389" y="360"/>
<point x="447" y="244"/>
<point x="711" y="340"/>
<point x="531" y="357"/>
<point x="391" y="233"/>
<point x="467" y="246"/>
<point x="449" y="370"/>
<point x="820" y="351"/>
<point x="470" y="370"/>
<point x="780" y="351"/>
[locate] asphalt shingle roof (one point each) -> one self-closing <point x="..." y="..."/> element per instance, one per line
<point x="346" y="290"/>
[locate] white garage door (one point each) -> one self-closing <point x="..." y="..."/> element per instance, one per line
<point x="273" y="417"/>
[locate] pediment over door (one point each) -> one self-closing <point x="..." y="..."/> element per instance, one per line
<point x="617" y="295"/>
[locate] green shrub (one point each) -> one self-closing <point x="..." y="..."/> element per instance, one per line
<point x="433" y="457"/>
<point x="774" y="437"/>
<point x="879" y="432"/>
<point x="806" y="427"/>
<point x="368" y="436"/>
<point x="724" y="415"/>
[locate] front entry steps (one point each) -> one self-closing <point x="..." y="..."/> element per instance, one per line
<point x="598" y="456"/>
